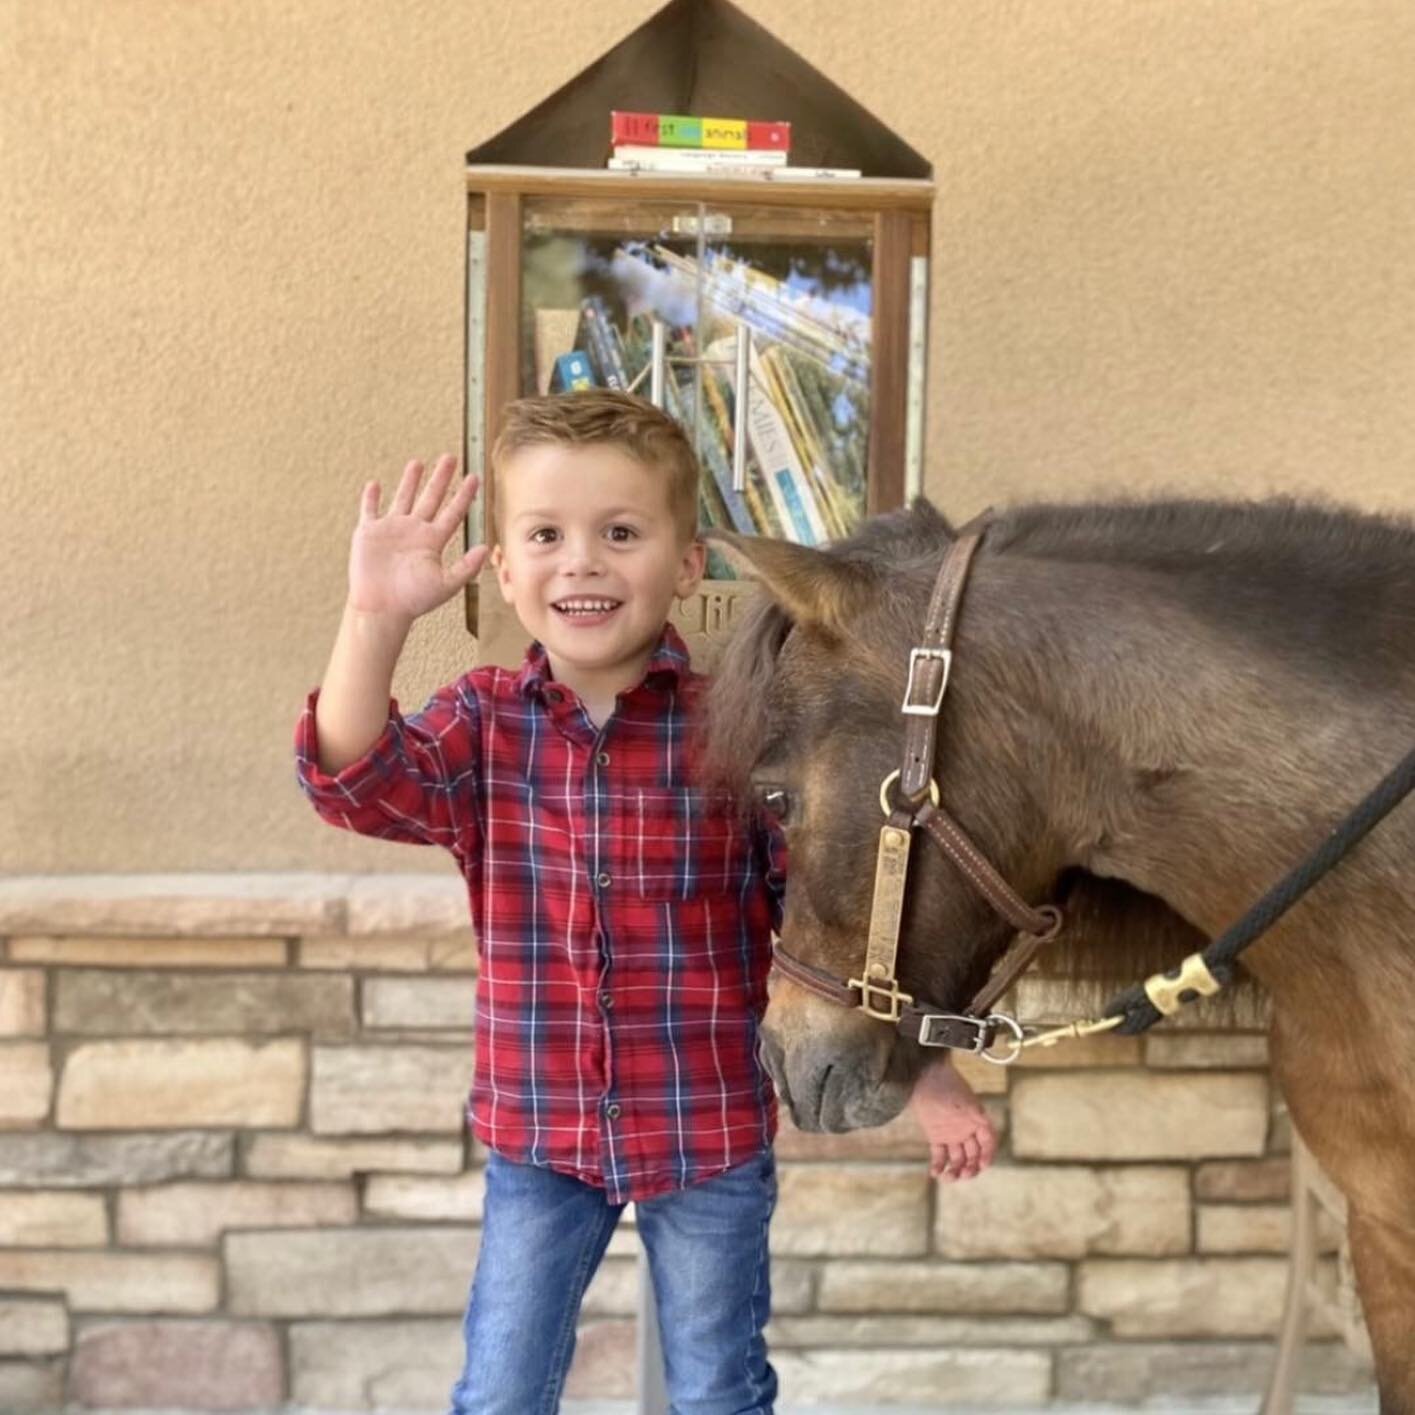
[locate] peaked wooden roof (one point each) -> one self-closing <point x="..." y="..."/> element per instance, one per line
<point x="705" y="57"/>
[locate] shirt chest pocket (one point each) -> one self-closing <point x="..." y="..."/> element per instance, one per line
<point x="684" y="843"/>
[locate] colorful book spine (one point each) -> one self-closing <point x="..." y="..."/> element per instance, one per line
<point x="571" y="373"/>
<point x="683" y="130"/>
<point x="597" y="343"/>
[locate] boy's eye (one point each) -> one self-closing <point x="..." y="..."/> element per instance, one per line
<point x="544" y="535"/>
<point x="621" y="534"/>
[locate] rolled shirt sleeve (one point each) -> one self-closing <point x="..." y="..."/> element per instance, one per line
<point x="418" y="783"/>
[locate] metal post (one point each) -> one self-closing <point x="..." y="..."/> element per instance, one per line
<point x="658" y="362"/>
<point x="653" y="1391"/>
<point x="739" y="421"/>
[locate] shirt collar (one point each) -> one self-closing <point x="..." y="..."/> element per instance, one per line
<point x="666" y="665"/>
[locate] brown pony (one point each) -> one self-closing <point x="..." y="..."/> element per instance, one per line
<point x="1160" y="708"/>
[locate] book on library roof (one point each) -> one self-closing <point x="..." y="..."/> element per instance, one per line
<point x="685" y="130"/>
<point x="699" y="156"/>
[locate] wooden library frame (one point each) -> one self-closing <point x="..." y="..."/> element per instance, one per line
<point x="894" y="212"/>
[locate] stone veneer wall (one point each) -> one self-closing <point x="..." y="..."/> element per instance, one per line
<point x="233" y="1173"/>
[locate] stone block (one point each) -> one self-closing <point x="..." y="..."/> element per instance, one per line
<point x="178" y="1365"/>
<point x="107" y="952"/>
<point x="374" y="1365"/>
<point x="350" y="1272"/>
<point x="303" y="1157"/>
<point x="408" y="904"/>
<point x="858" y="1210"/>
<point x="93" y="1002"/>
<point x="33" y="1326"/>
<point x="1233" y="1051"/>
<point x="1129" y="1374"/>
<point x="196" y="1215"/>
<point x="1257" y="1228"/>
<point x="457" y="1199"/>
<point x="90" y="1161"/>
<point x="361" y="1090"/>
<point x="419" y="1002"/>
<point x="52" y="1219"/>
<point x="1244" y="1181"/>
<point x="211" y="905"/>
<point x="102" y="1281"/>
<point x="1000" y="1377"/>
<point x="848" y="1333"/>
<point x="29" y="1083"/>
<point x="133" y="1085"/>
<point x="438" y="953"/>
<point x="22" y="1002"/>
<point x="31" y="1385"/>
<point x="793" y="1286"/>
<point x="1064" y="1211"/>
<point x="1184" y="1297"/>
<point x="972" y="1289"/>
<point x="1132" y="1115"/>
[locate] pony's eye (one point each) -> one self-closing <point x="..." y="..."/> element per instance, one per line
<point x="776" y="801"/>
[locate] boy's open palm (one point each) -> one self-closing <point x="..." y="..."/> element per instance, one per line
<point x="395" y="560"/>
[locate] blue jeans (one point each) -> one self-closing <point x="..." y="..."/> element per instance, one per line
<point x="543" y="1235"/>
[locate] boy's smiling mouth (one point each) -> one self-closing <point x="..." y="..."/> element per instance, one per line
<point x="586" y="608"/>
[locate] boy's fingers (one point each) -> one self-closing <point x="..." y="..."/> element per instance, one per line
<point x="456" y="508"/>
<point x="466" y="569"/>
<point x="430" y="500"/>
<point x="987" y="1145"/>
<point x="407" y="489"/>
<point x="368" y="502"/>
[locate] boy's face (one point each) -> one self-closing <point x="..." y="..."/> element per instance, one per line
<point x="590" y="559"/>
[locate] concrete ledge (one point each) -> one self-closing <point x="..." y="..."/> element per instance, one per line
<point x="233" y="905"/>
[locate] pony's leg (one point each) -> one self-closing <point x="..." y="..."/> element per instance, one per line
<point x="1383" y="1255"/>
<point x="1353" y="1116"/>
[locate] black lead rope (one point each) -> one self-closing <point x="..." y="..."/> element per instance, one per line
<point x="1134" y="1004"/>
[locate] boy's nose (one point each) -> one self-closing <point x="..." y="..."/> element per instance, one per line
<point x="583" y="558"/>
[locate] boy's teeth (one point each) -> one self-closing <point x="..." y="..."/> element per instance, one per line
<point x="586" y="606"/>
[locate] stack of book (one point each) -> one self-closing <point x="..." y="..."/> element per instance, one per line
<point x="807" y="412"/>
<point x="682" y="144"/>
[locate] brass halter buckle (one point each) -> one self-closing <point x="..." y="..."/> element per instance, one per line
<point x="891" y="1001"/>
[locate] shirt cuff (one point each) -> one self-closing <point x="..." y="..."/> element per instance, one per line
<point x="356" y="783"/>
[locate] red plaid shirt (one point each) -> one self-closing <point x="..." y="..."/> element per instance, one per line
<point x="623" y="916"/>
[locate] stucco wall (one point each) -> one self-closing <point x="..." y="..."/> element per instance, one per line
<point x="1171" y="251"/>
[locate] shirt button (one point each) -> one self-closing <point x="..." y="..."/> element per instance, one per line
<point x="612" y="1111"/>
<point x="606" y="1000"/>
<point x="554" y="695"/>
<point x="601" y="759"/>
<point x="602" y="880"/>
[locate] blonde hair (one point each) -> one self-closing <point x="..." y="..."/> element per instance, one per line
<point x="605" y="416"/>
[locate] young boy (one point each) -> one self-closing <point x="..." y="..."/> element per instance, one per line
<point x="623" y="915"/>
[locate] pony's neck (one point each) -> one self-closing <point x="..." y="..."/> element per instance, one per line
<point x="1164" y="752"/>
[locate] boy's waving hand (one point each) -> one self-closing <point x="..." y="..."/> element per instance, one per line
<point x="395" y="560"/>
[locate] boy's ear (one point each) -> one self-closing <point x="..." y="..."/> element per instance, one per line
<point x="690" y="568"/>
<point x="497" y="561"/>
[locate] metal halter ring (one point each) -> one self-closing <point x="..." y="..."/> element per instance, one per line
<point x="1016" y="1041"/>
<point x="890" y="780"/>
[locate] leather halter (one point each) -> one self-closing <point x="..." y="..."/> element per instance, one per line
<point x="876" y="991"/>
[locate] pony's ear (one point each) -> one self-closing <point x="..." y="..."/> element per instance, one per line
<point x="928" y="515"/>
<point x="814" y="588"/>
